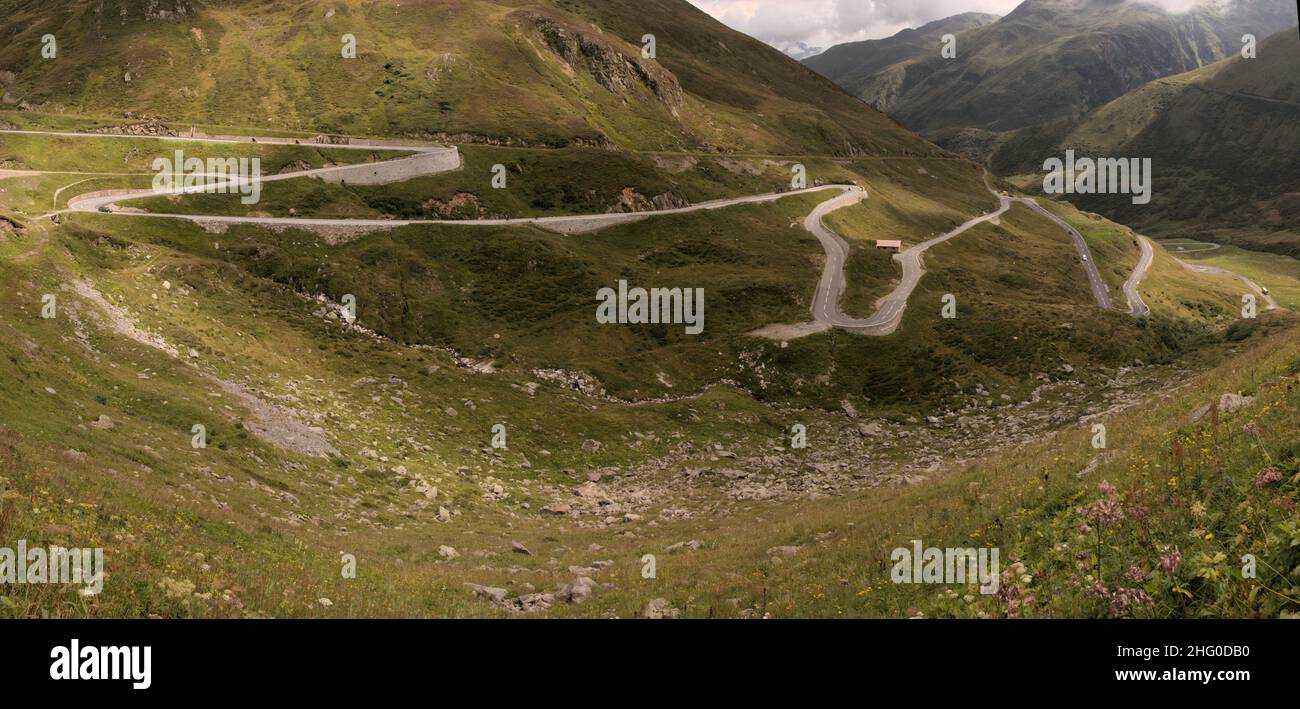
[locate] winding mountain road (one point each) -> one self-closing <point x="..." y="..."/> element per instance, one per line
<point x="889" y="309"/>
<point x="830" y="287"/>
<point x="1269" y="303"/>
<point x="1136" y="306"/>
<point x="1100" y="292"/>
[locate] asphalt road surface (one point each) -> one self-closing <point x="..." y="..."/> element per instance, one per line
<point x="1100" y="292"/>
<point x="1136" y="306"/>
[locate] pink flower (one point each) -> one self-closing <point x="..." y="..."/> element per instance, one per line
<point x="1267" y="476"/>
<point x="1170" y="560"/>
<point x="1106" y="511"/>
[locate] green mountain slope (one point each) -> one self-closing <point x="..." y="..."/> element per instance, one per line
<point x="853" y="65"/>
<point x="535" y="73"/>
<point x="1223" y="141"/>
<point x="1053" y="59"/>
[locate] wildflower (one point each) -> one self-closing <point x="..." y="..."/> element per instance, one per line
<point x="1170" y="559"/>
<point x="1198" y="509"/>
<point x="1124" y="599"/>
<point x="1106" y="511"/>
<point x="1267" y="476"/>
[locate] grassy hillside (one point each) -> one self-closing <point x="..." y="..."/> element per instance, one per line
<point x="255" y="525"/>
<point x="523" y="298"/>
<point x="551" y="73"/>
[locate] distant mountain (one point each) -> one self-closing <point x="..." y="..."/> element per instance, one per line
<point x="1223" y="142"/>
<point x="801" y="50"/>
<point x="530" y="72"/>
<point x="1051" y="59"/>
<point x="852" y="65"/>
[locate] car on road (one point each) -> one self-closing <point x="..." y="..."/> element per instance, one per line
<point x="104" y="208"/>
<point x="1085" y="258"/>
<point x="1263" y="290"/>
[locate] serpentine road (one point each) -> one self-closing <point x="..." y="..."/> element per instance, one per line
<point x="1136" y="306"/>
<point x="830" y="288"/>
<point x="889" y="309"/>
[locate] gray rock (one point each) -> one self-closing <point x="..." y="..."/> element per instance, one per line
<point x="578" y="591"/>
<point x="870" y="429"/>
<point x="1231" y="402"/>
<point x="497" y="595"/>
<point x="659" y="609"/>
<point x="103" y="423"/>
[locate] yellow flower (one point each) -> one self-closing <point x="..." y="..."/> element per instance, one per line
<point x="1209" y="536"/>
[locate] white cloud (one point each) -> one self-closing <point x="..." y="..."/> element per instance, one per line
<point x="827" y="22"/>
<point x="823" y="23"/>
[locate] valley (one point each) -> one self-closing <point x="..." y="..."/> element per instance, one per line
<point x="392" y="371"/>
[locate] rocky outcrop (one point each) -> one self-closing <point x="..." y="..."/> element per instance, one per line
<point x="293" y="166"/>
<point x="463" y="205"/>
<point x="610" y="67"/>
<point x="630" y="200"/>
<point x="150" y="127"/>
<point x="167" y="10"/>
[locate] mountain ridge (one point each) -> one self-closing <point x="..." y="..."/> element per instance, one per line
<point x="1048" y="60"/>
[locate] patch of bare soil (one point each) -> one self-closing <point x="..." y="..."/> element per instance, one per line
<point x="272" y="423"/>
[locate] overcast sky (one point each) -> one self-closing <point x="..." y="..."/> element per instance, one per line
<point x="822" y="23"/>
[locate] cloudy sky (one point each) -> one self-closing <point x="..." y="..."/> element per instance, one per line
<point x="822" y="23"/>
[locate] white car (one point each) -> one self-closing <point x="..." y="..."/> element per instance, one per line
<point x="1085" y="258"/>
